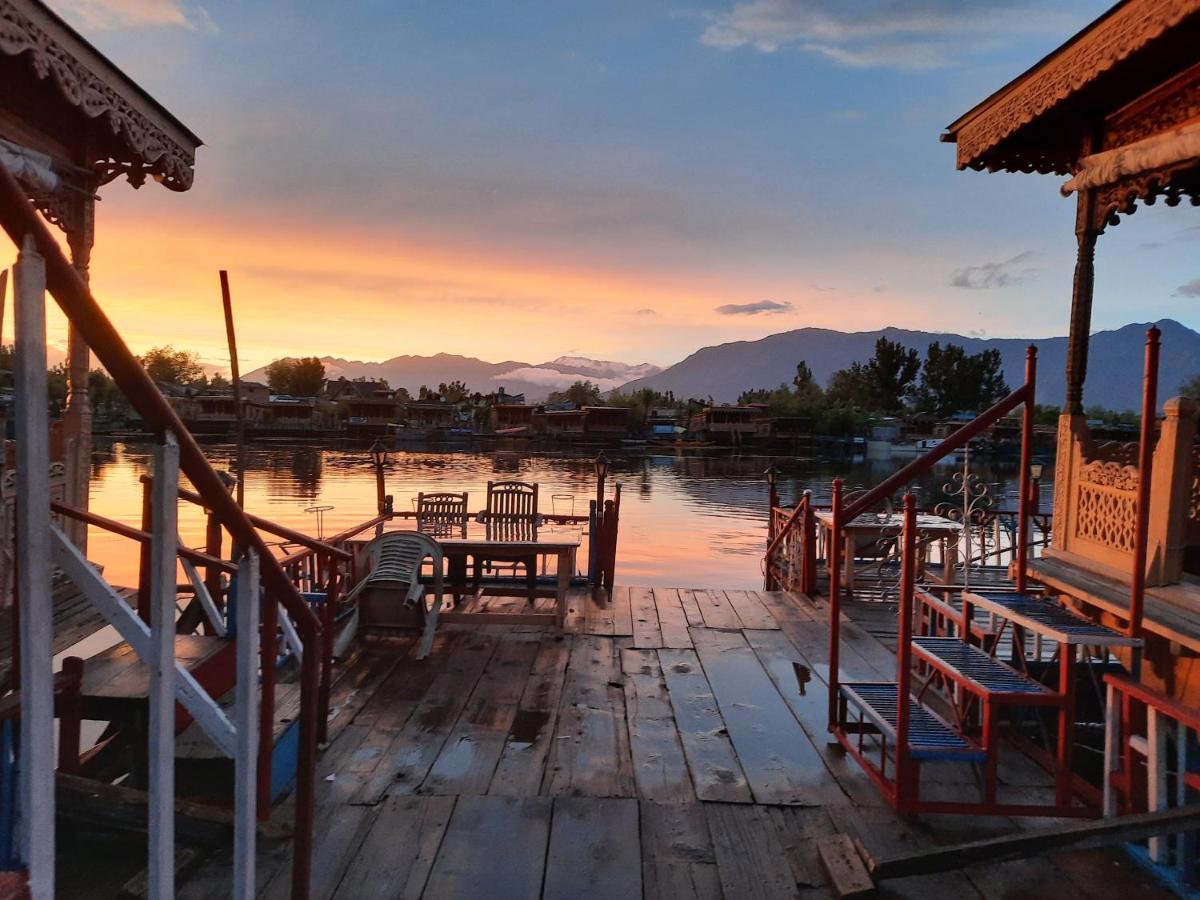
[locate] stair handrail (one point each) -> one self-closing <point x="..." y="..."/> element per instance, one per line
<point x="926" y="461"/>
<point x="20" y="220"/>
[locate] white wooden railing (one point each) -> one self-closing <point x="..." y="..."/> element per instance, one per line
<point x="41" y="544"/>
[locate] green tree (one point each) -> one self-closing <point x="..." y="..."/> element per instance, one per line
<point x="891" y="372"/>
<point x="581" y="393"/>
<point x="181" y="367"/>
<point x="454" y="392"/>
<point x="954" y="381"/>
<point x="300" y="377"/>
<point x="1191" y="388"/>
<point x="851" y="387"/>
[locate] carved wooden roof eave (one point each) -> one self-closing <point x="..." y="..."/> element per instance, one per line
<point x="980" y="135"/>
<point x="1121" y="198"/>
<point x="149" y="141"/>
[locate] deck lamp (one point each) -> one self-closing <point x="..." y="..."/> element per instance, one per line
<point x="379" y="457"/>
<point x="1035" y="469"/>
<point x="600" y="464"/>
<point x="772" y="476"/>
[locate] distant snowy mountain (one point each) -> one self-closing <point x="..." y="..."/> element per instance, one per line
<point x="535" y="381"/>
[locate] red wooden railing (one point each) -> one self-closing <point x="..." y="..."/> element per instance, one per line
<point x="20" y="221"/>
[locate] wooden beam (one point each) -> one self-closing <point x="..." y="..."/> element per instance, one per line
<point x="161" y="664"/>
<point x="1086" y="835"/>
<point x="246" y="713"/>
<point x="841" y="862"/>
<point x="34" y="591"/>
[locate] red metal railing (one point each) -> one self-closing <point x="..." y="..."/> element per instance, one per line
<point x="20" y="220"/>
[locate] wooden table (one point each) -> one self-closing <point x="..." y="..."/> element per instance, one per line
<point x="558" y="542"/>
<point x="876" y="527"/>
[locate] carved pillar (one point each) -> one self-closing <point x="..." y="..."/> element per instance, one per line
<point x="77" y="420"/>
<point x="1171" y="491"/>
<point x="1081" y="304"/>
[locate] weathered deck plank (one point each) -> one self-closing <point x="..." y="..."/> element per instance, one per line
<point x="766" y="852"/>
<point x="659" y="767"/>
<point x="589" y="757"/>
<point x="493" y="847"/>
<point x="672" y="619"/>
<point x="417" y="743"/>
<point x="750" y="610"/>
<point x="716" y="772"/>
<point x="469" y="757"/>
<point x="716" y="609"/>
<point x="594" y="851"/>
<point x="531" y="733"/>
<point x="647" y="632"/>
<point x="678" y="862"/>
<point x="780" y="762"/>
<point x="398" y="854"/>
<point x="622" y="610"/>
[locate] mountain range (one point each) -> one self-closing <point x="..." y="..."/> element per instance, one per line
<point x="1115" y="362"/>
<point x="536" y="381"/>
<point x="723" y="371"/>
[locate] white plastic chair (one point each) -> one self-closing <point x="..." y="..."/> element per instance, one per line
<point x="392" y="594"/>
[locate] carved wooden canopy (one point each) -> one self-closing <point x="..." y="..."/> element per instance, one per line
<point x="61" y="95"/>
<point x="1132" y="74"/>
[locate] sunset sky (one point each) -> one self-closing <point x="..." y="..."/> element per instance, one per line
<point x="622" y="180"/>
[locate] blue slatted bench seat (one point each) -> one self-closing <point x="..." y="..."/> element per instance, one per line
<point x="975" y="669"/>
<point x="1049" y="619"/>
<point x="929" y="737"/>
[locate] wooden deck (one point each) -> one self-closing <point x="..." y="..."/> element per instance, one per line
<point x="671" y="744"/>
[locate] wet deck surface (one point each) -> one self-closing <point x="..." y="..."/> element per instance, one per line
<point x="672" y="744"/>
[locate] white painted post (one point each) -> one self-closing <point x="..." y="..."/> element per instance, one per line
<point x="1156" y="774"/>
<point x="34" y="577"/>
<point x="1112" y="748"/>
<point x="161" y="662"/>
<point x="246" y="721"/>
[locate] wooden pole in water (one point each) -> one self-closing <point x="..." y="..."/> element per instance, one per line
<point x="227" y="302"/>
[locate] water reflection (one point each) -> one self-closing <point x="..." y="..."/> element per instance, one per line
<point x="686" y="520"/>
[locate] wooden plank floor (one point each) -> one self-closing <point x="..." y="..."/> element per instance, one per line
<point x="671" y="744"/>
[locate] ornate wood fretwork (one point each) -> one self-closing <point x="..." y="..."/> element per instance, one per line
<point x="151" y="151"/>
<point x="1127" y="29"/>
<point x="1175" y="183"/>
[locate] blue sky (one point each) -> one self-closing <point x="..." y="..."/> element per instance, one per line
<point x="626" y="180"/>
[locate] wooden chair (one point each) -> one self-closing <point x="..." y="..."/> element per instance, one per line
<point x="442" y="514"/>
<point x="511" y="515"/>
<point x="392" y="595"/>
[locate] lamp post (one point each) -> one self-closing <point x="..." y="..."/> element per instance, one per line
<point x="600" y="464"/>
<point x="379" y="457"/>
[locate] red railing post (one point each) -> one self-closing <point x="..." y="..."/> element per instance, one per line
<point x="70" y="714"/>
<point x="213" y="539"/>
<point x="905" y="784"/>
<point x="143" y="595"/>
<point x="808" y="583"/>
<point x="1137" y="589"/>
<point x="1024" y="502"/>
<point x="833" y="558"/>
<point x="267" y="651"/>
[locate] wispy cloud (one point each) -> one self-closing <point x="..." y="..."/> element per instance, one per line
<point x="645" y="312"/>
<point x="754" y="309"/>
<point x="1191" y="289"/>
<point x="913" y="36"/>
<point x="995" y="274"/>
<point x="105" y="15"/>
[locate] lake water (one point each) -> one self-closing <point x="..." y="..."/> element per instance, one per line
<point x="687" y="520"/>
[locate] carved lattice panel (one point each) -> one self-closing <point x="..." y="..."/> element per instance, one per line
<point x="1106" y="516"/>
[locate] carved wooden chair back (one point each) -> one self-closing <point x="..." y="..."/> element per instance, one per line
<point x="442" y="514"/>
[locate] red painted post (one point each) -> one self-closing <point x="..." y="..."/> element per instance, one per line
<point x="905" y="784"/>
<point x="809" y="585"/>
<point x="1137" y="589"/>
<point x="70" y="713"/>
<point x="328" y="615"/>
<point x="1024" y="501"/>
<point x="143" y="596"/>
<point x="213" y="539"/>
<point x="267" y="650"/>
<point x="834" y="564"/>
